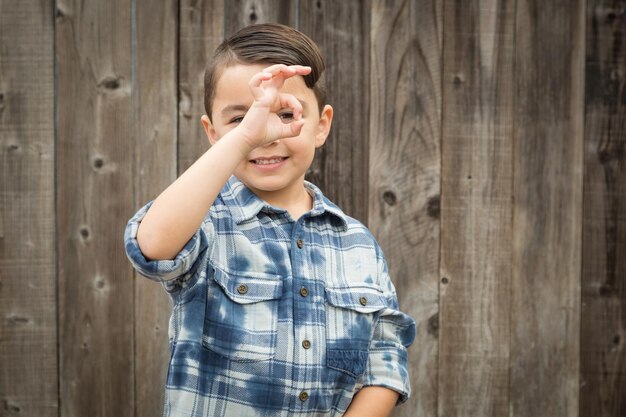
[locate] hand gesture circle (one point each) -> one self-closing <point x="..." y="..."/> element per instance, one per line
<point x="262" y="124"/>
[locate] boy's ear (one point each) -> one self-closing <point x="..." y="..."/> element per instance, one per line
<point x="323" y="127"/>
<point x="211" y="134"/>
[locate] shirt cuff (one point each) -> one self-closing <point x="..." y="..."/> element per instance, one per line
<point x="161" y="270"/>
<point x="388" y="367"/>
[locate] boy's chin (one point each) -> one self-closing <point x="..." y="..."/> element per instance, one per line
<point x="268" y="185"/>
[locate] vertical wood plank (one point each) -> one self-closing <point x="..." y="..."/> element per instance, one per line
<point x="203" y="24"/>
<point x="28" y="335"/>
<point x="94" y="202"/>
<point x="603" y="326"/>
<point x="155" y="131"/>
<point x="405" y="170"/>
<point x="241" y="13"/>
<point x="201" y="31"/>
<point x="340" y="168"/>
<point x="545" y="307"/>
<point x="209" y="22"/>
<point x="476" y="207"/>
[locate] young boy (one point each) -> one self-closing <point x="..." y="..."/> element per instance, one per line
<point x="282" y="303"/>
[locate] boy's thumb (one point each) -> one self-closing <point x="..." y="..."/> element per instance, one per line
<point x="296" y="126"/>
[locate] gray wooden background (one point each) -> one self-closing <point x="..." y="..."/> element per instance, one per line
<point x="482" y="141"/>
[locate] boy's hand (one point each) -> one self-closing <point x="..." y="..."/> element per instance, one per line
<point x="273" y="115"/>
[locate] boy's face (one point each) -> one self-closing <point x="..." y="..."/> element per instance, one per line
<point x="284" y="161"/>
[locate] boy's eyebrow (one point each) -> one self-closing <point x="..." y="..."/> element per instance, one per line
<point x="234" y="108"/>
<point x="243" y="108"/>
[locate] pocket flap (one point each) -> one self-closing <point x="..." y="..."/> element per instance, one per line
<point x="361" y="297"/>
<point x="249" y="287"/>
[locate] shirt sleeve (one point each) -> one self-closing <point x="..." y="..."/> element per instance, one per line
<point x="165" y="271"/>
<point x="394" y="332"/>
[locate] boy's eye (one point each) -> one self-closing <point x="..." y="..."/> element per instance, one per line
<point x="237" y="119"/>
<point x="287" y="116"/>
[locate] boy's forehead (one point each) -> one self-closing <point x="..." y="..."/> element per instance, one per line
<point x="235" y="79"/>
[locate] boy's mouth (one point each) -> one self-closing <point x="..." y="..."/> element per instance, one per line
<point x="268" y="161"/>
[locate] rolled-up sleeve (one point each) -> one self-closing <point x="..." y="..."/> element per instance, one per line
<point x="164" y="270"/>
<point x="394" y="332"/>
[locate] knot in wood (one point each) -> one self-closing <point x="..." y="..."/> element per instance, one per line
<point x="11" y="407"/>
<point x="98" y="162"/>
<point x="433" y="207"/>
<point x="18" y="319"/>
<point x="390" y="198"/>
<point x="253" y="16"/>
<point x="110" y="83"/>
<point x="607" y="291"/>
<point x="84" y="233"/>
<point x="433" y="325"/>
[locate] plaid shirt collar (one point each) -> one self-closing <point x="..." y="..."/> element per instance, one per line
<point x="245" y="205"/>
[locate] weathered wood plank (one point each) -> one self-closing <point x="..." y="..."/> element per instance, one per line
<point x="203" y="25"/>
<point x="476" y="208"/>
<point x="545" y="307"/>
<point x="28" y="335"/>
<point x="94" y="201"/>
<point x="340" y="168"/>
<point x="241" y="13"/>
<point x="155" y="131"/>
<point x="405" y="170"/>
<point x="201" y="31"/>
<point x="603" y="326"/>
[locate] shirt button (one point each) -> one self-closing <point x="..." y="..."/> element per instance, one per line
<point x="299" y="243"/>
<point x="306" y="344"/>
<point x="363" y="301"/>
<point x="304" y="292"/>
<point x="304" y="396"/>
<point x="242" y="289"/>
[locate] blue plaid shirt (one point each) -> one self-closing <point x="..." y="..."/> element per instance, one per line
<point x="276" y="317"/>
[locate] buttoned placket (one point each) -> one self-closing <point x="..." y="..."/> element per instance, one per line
<point x="302" y="295"/>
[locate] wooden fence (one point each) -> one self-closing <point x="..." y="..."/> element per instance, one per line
<point x="482" y="141"/>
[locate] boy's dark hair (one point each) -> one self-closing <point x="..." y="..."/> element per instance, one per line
<point x="267" y="43"/>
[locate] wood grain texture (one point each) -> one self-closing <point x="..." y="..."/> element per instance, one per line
<point x="405" y="172"/>
<point x="241" y="13"/>
<point x="28" y="335"/>
<point x="340" y="168"/>
<point x="476" y="206"/>
<point x="603" y="318"/>
<point x="201" y="25"/>
<point x="94" y="202"/>
<point x="513" y="111"/>
<point x="155" y="132"/>
<point x="545" y="307"/>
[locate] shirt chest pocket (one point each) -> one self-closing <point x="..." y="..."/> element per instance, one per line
<point x="241" y="317"/>
<point x="351" y="315"/>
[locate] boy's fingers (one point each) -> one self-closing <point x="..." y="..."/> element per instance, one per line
<point x="274" y="76"/>
<point x="288" y="100"/>
<point x="292" y="129"/>
<point x="255" y="84"/>
<point x="259" y="77"/>
<point x="302" y="70"/>
<point x="278" y="68"/>
<point x="287" y="70"/>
